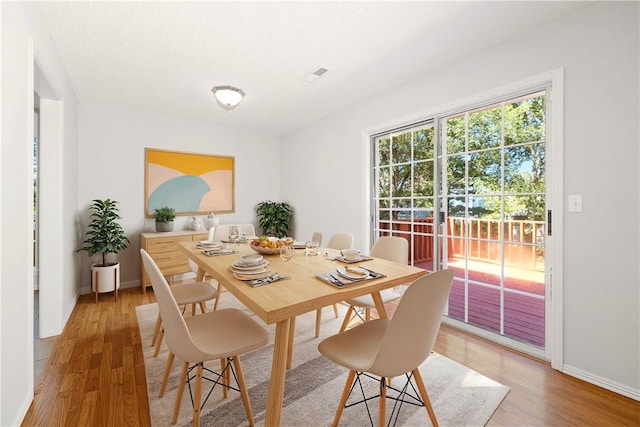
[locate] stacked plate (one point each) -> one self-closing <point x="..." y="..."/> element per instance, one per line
<point x="209" y="244"/>
<point x="250" y="267"/>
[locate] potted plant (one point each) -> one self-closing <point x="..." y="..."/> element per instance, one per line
<point x="274" y="218"/>
<point x="104" y="236"/>
<point x="164" y="218"/>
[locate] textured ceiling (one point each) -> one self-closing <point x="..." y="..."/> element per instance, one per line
<point x="164" y="57"/>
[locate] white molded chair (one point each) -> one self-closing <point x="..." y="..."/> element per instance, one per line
<point x="193" y="294"/>
<point x="215" y="335"/>
<point x="387" y="348"/>
<point x="317" y="237"/>
<point x="392" y="248"/>
<point x="208" y="279"/>
<point x="341" y="241"/>
<point x="337" y="241"/>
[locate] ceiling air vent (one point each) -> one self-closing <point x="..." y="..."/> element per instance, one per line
<point x="315" y="75"/>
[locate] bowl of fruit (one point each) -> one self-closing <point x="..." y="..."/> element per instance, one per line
<point x="269" y="245"/>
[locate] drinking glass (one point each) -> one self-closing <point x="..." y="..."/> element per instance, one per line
<point x="233" y="234"/>
<point x="311" y="248"/>
<point x="286" y="253"/>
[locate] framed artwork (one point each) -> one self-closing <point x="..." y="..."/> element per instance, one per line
<point x="192" y="184"/>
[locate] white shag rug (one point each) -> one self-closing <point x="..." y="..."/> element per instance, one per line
<point x="459" y="395"/>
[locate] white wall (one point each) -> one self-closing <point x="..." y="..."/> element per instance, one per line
<point x="25" y="38"/>
<point x="599" y="48"/>
<point x="111" y="158"/>
<point x="320" y="169"/>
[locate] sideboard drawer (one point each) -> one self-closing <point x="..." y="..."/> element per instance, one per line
<point x="162" y="248"/>
<point x="165" y="244"/>
<point x="166" y="260"/>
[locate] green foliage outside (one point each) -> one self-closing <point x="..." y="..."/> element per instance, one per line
<point x="493" y="156"/>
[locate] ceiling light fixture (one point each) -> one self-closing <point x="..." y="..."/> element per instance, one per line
<point x="228" y="96"/>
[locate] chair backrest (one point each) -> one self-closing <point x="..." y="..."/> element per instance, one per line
<point x="341" y="241"/>
<point x="222" y="231"/>
<point x="317" y="237"/>
<point x="392" y="248"/>
<point x="176" y="333"/>
<point x="415" y="324"/>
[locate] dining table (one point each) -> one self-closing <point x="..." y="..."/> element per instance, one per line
<point x="279" y="302"/>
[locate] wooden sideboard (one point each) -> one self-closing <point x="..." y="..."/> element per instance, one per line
<point x="169" y="258"/>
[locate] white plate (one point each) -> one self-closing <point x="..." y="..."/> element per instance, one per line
<point x="208" y="243"/>
<point x="251" y="258"/>
<point x="344" y="273"/>
<point x="256" y="272"/>
<point x="243" y="265"/>
<point x="252" y="268"/>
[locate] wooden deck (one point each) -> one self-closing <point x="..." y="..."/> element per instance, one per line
<point x="523" y="313"/>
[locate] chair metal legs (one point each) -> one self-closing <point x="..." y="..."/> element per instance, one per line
<point x="403" y="395"/>
<point x="352" y="313"/>
<point x="223" y="378"/>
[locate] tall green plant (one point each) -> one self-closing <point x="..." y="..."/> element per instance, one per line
<point x="104" y="233"/>
<point x="274" y="217"/>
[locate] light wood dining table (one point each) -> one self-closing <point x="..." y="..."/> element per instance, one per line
<point x="280" y="302"/>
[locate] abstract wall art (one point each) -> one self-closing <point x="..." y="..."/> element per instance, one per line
<point x="190" y="183"/>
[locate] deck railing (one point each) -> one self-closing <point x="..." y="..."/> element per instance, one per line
<point x="522" y="240"/>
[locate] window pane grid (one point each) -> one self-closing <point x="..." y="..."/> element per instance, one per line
<point x="492" y="191"/>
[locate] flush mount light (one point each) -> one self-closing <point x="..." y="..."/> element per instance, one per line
<point x="228" y="96"/>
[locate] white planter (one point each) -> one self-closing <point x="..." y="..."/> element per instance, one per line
<point x="105" y="279"/>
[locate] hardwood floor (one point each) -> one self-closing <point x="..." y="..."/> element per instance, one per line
<point x="95" y="376"/>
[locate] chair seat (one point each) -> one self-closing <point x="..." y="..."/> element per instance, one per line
<point x="366" y="301"/>
<point x="356" y="348"/>
<point x="227" y="332"/>
<point x="193" y="293"/>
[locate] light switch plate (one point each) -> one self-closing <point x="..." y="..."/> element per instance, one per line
<point x="575" y="203"/>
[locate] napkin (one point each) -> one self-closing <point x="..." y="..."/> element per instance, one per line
<point x="215" y="252"/>
<point x="269" y="279"/>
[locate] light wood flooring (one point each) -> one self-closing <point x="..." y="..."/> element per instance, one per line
<point x="95" y="376"/>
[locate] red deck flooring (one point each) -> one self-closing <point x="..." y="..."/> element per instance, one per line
<point x="523" y="314"/>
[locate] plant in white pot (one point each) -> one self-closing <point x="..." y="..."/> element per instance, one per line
<point x="104" y="236"/>
<point x="164" y="218"/>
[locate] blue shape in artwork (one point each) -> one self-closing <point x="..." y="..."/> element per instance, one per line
<point x="183" y="193"/>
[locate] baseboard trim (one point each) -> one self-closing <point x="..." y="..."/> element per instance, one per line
<point x="602" y="382"/>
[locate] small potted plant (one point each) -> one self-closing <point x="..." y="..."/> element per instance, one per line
<point x="104" y="236"/>
<point x="164" y="218"/>
<point x="274" y="218"/>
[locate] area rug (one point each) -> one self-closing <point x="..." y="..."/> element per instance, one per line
<point x="460" y="396"/>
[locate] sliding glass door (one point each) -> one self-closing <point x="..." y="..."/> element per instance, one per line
<point x="472" y="197"/>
